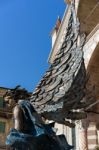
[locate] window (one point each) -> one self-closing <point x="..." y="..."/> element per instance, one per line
<point x="2" y="127"/>
<point x="1" y="102"/>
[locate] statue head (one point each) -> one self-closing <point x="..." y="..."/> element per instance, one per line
<point x="12" y="96"/>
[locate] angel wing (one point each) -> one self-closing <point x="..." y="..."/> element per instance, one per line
<point x="61" y="90"/>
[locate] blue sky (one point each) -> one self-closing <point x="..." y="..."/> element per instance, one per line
<point x="25" y="43"/>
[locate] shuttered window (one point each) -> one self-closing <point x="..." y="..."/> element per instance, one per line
<point x="2" y="127"/>
<point x="1" y="102"/>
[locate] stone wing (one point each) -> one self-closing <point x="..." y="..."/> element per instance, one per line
<point x="62" y="88"/>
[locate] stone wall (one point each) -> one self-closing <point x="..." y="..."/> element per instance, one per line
<point x="5" y="123"/>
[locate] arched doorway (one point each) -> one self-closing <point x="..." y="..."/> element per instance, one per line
<point x="93" y="71"/>
<point x="93" y="116"/>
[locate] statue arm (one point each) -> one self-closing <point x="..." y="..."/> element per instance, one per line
<point x="18" y="118"/>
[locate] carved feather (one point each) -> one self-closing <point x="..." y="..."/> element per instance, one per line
<point x="63" y="85"/>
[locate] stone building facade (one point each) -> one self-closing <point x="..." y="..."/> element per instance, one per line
<point x="5" y="119"/>
<point x="8" y="99"/>
<point x="85" y="136"/>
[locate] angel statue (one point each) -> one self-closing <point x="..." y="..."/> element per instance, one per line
<point x="31" y="133"/>
<point x="58" y="97"/>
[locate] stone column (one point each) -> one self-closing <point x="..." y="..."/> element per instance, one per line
<point x="97" y="131"/>
<point x="77" y="136"/>
<point x="98" y="136"/>
<point x="92" y="136"/>
<point x="83" y="144"/>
